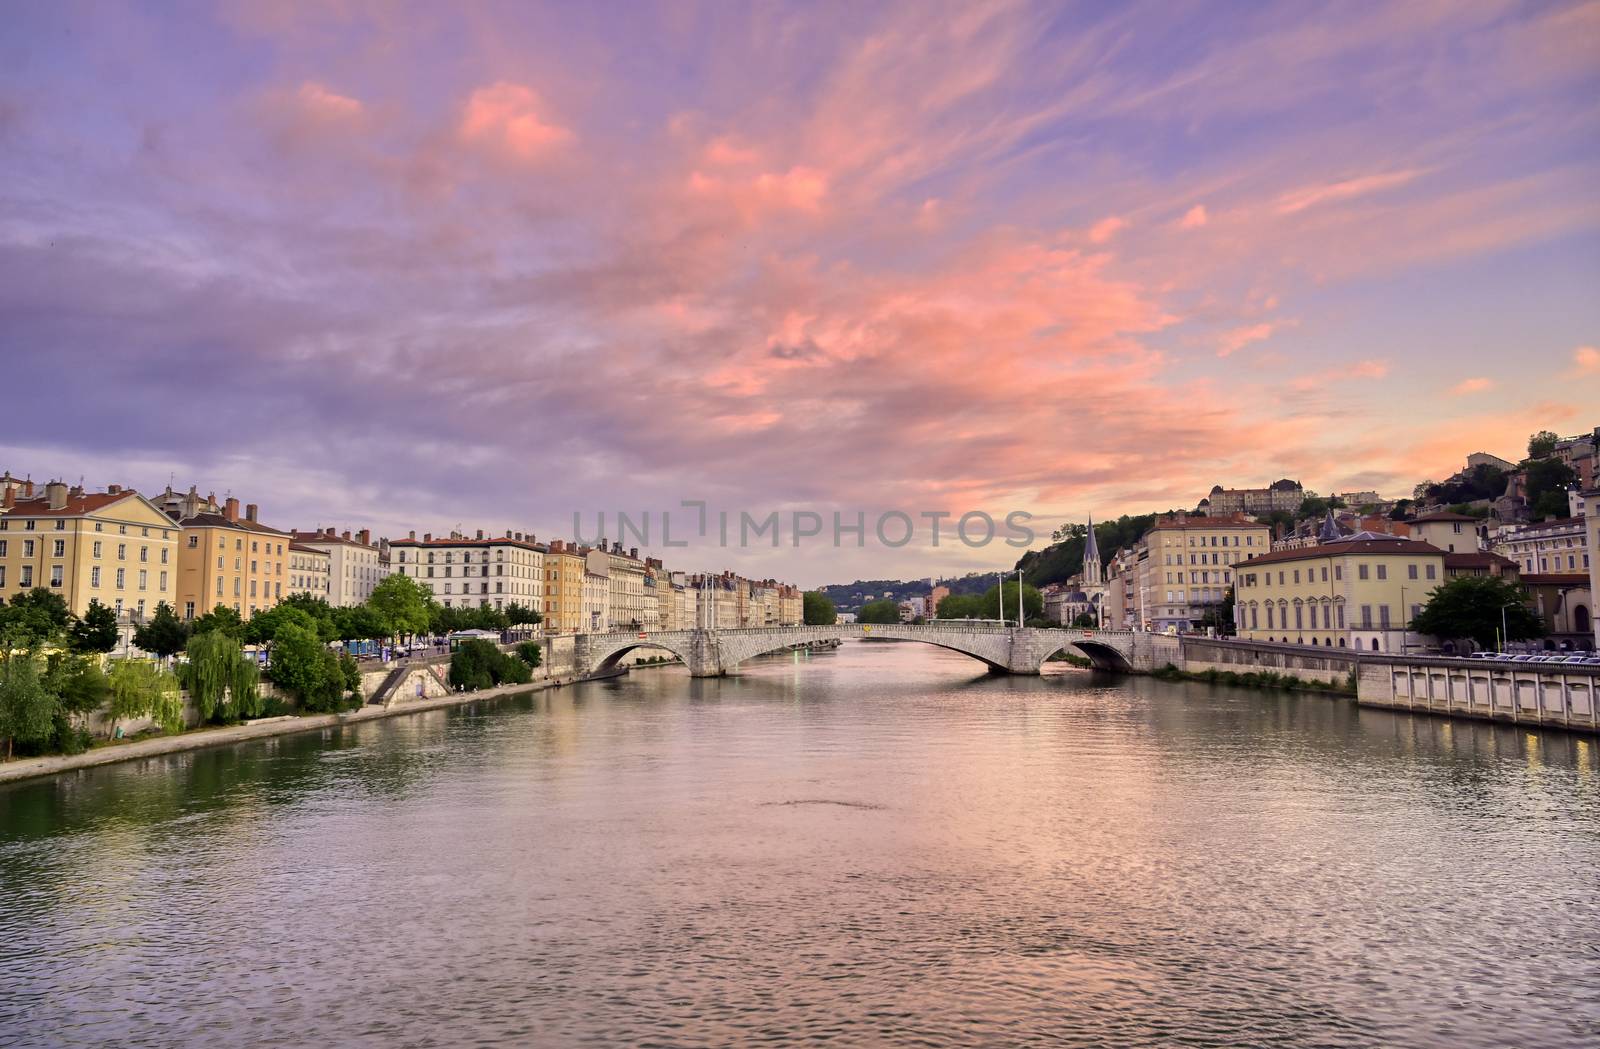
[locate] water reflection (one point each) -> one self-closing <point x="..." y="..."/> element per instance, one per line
<point x="875" y="845"/>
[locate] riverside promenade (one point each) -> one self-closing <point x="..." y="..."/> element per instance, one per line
<point x="198" y="739"/>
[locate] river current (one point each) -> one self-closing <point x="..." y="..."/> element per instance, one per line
<point x="877" y="845"/>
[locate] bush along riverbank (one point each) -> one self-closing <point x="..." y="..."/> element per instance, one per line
<point x="1257" y="679"/>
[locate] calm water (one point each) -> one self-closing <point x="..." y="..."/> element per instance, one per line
<point x="872" y="846"/>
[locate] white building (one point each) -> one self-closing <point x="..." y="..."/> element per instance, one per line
<point x="474" y="572"/>
<point x="355" y="565"/>
<point x="308" y="571"/>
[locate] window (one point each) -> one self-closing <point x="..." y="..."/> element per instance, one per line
<point x="1411" y="571"/>
<point x="27" y="548"/>
<point x="122" y="551"/>
<point x="1297" y="575"/>
<point x="2" y="576"/>
<point x="96" y="548"/>
<point x="219" y="585"/>
<point x="2" y="547"/>
<point x="194" y="542"/>
<point x="164" y="552"/>
<point x="144" y="554"/>
<point x="1433" y="571"/>
<point x="122" y="578"/>
<point x="27" y="576"/>
<point x="163" y="580"/>
<point x="60" y="548"/>
<point x="55" y="575"/>
<point x="144" y="578"/>
<point x="188" y="610"/>
<point x="61" y="525"/>
<point x="1383" y="571"/>
<point x="1383" y="616"/>
<point x="94" y="576"/>
<point x="1366" y="617"/>
<point x="1361" y="571"/>
<point x="1341" y="619"/>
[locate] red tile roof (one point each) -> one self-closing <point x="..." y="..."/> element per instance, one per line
<point x="76" y="506"/>
<point x="1342" y="548"/>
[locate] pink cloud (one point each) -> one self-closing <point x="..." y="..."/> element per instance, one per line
<point x="1368" y="369"/>
<point x="1105" y="229"/>
<point x="1237" y="339"/>
<point x="1194" y="218"/>
<point x="800" y="189"/>
<point x="1477" y="384"/>
<point x="508" y="116"/>
<point x="1344" y="189"/>
<point x="1586" y="359"/>
<point x="323" y="103"/>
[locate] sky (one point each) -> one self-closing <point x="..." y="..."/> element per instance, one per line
<point x="428" y="266"/>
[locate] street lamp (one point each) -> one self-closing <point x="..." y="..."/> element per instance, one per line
<point x="1503" y="608"/>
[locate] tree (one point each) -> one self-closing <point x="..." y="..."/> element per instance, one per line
<point x="218" y="671"/>
<point x="1032" y="601"/>
<point x="1471" y="606"/>
<point x="531" y="653"/>
<point x="33" y="618"/>
<point x="1084" y="621"/>
<point x="360" y="623"/>
<point x="164" y="635"/>
<point x="521" y="615"/>
<point x="27" y="709"/>
<point x="1547" y="481"/>
<point x="402" y="603"/>
<point x="303" y="666"/>
<point x="1542" y="444"/>
<point x="882" y="611"/>
<point x="478" y="664"/>
<point x="264" y="627"/>
<point x="96" y="631"/>
<point x="817" y="610"/>
<point x="220" y="618"/>
<point x="140" y="689"/>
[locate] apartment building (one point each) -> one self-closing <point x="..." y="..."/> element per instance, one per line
<point x="309" y="571"/>
<point x="226" y="557"/>
<point x="355" y="564"/>
<point x="1188" y="566"/>
<point x="477" y="571"/>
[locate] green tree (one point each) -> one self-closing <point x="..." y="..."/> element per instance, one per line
<point x="817" y="610"/>
<point x="1084" y="621"/>
<point x="27" y="709"/>
<point x="303" y="666"/>
<point x="77" y="682"/>
<point x="967" y="606"/>
<point x="403" y="605"/>
<point x="360" y="623"/>
<point x="531" y="653"/>
<point x="264" y="627"/>
<point x="141" y="689"/>
<point x="1471" y="606"/>
<point x="33" y="618"/>
<point x="521" y="615"/>
<point x="164" y="635"/>
<point x="1032" y="601"/>
<point x="881" y="611"/>
<point x="220" y="675"/>
<point x="96" y="631"/>
<point x="220" y="618"/>
<point x="1547" y="481"/>
<point x="1542" y="444"/>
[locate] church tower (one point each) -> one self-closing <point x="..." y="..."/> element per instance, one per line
<point x="1093" y="574"/>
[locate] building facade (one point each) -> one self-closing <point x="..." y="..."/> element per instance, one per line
<point x="1187" y="567"/>
<point x="1546" y="547"/>
<point x="355" y="564"/>
<point x="226" y="557"/>
<point x="308" y="571"/>
<point x="563" y="588"/>
<point x="479" y="571"/>
<point x="1361" y="591"/>
<point x="115" y="547"/>
<point x="1285" y="495"/>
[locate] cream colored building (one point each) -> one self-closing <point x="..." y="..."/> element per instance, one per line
<point x="596" y="612"/>
<point x="355" y="564"/>
<point x="1361" y="591"/>
<point x="115" y="547"/>
<point x="1453" y="533"/>
<point x="563" y="588"/>
<point x="630" y="608"/>
<point x="463" y="571"/>
<point x="226" y="557"/>
<point x="1546" y="547"/>
<point x="308" y="571"/>
<point x="1187" y="567"/>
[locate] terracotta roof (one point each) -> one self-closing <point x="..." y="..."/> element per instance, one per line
<point x="208" y="520"/>
<point x="76" y="506"/>
<point x="324" y="537"/>
<point x="1445" y="515"/>
<point x="1342" y="548"/>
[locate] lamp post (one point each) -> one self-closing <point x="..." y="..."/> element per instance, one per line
<point x="1022" y="618"/>
<point x="1503" y="639"/>
<point x="1405" y="623"/>
<point x="1000" y="595"/>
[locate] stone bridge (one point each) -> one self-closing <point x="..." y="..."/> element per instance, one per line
<point x="1004" y="650"/>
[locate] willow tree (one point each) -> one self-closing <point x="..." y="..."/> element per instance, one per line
<point x="219" y="675"/>
<point x="139" y="689"/>
<point x="27" y="708"/>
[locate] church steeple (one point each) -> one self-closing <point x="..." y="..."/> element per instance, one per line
<point x="1091" y="558"/>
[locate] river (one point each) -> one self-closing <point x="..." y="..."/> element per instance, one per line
<point x="871" y="846"/>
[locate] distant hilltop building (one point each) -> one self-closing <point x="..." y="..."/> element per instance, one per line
<point x="1283" y="495"/>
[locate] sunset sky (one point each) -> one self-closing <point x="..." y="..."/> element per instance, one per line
<point x="420" y="266"/>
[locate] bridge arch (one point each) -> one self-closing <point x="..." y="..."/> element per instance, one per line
<point x="1101" y="655"/>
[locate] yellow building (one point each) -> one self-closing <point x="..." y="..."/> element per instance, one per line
<point x="116" y="547"/>
<point x="227" y="558"/>
<point x="563" y="588"/>
<point x="1359" y="592"/>
<point x="1189" y="566"/>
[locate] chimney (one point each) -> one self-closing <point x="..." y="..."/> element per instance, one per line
<point x="345" y="535"/>
<point x="328" y="531"/>
<point x="633" y="552"/>
<point x="412" y="535"/>
<point x="77" y="491"/>
<point x="8" y="498"/>
<point x="230" y="509"/>
<point x="56" y="494"/>
<point x="27" y="488"/>
<point x="427" y="537"/>
<point x="556" y="545"/>
<point x="480" y="533"/>
<point x="114" y="489"/>
<point x="364" y="537"/>
<point x="250" y="511"/>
